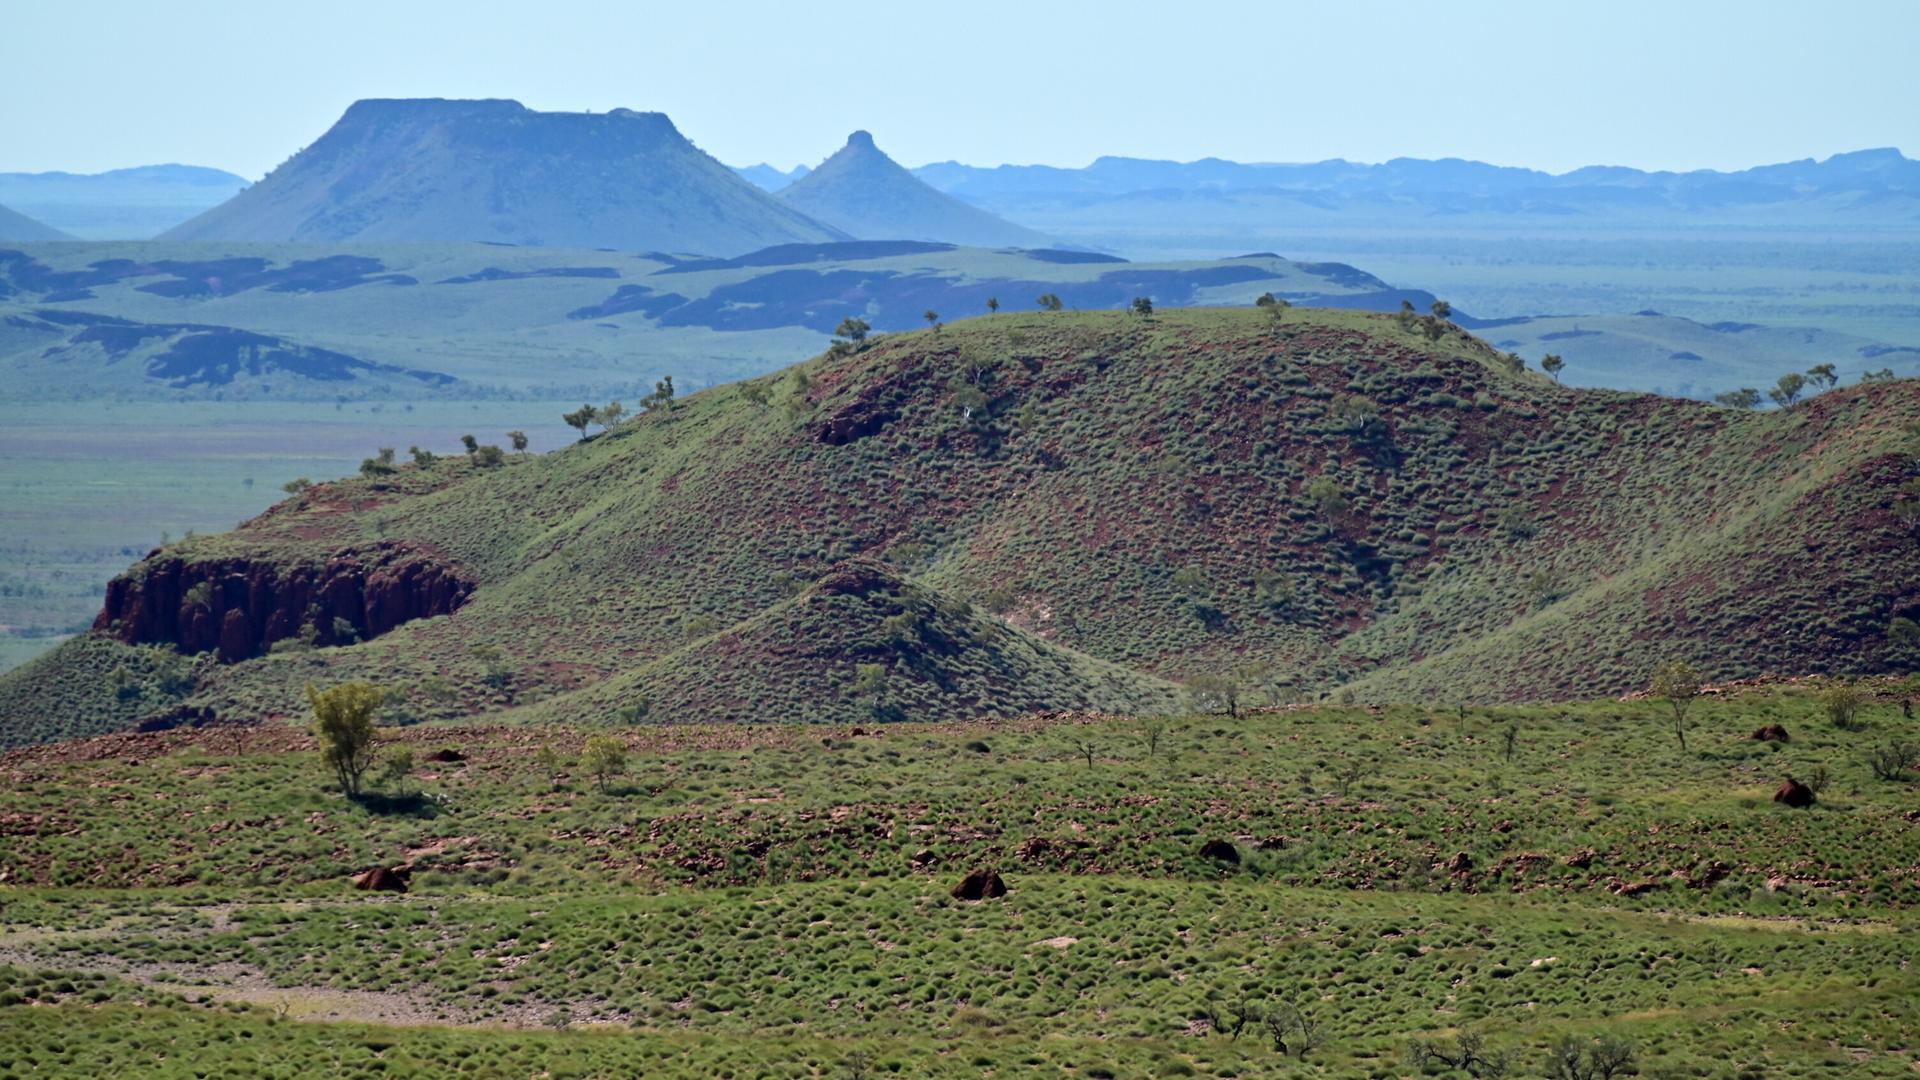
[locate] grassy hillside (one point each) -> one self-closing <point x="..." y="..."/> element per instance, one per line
<point x="1327" y="500"/>
<point x="775" y="900"/>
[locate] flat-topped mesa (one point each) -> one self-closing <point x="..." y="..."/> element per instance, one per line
<point x="411" y="170"/>
<point x="238" y="607"/>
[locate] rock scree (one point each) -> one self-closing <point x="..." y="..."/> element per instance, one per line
<point x="239" y="607"/>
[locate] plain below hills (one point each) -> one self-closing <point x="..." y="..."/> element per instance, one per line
<point x="1044" y="511"/>
<point x="242" y="321"/>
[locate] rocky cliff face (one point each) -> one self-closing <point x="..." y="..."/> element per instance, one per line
<point x="239" y="608"/>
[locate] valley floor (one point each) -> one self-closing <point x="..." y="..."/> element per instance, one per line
<point x="775" y="901"/>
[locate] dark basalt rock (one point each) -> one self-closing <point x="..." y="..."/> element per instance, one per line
<point x="240" y="607"/>
<point x="1770" y="733"/>
<point x="1795" y="794"/>
<point x="980" y="885"/>
<point x="1220" y="851"/>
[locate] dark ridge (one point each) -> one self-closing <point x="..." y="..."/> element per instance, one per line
<point x="1565" y="335"/>
<point x="795" y="254"/>
<point x="1062" y="255"/>
<point x="1683" y="355"/>
<point x="1341" y="274"/>
<point x="196" y="279"/>
<point x="203" y="355"/>
<point x="493" y="273"/>
<point x="1733" y="327"/>
<point x="628" y="298"/>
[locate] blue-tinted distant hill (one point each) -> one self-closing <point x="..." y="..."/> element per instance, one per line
<point x="768" y="178"/>
<point x="123" y="204"/>
<point x="1879" y="183"/>
<point x="863" y="193"/>
<point x="16" y="226"/>
<point x="496" y="171"/>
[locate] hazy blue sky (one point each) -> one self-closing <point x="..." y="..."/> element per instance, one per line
<point x="1672" y="84"/>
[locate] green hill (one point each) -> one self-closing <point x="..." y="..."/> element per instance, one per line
<point x="1328" y="500"/>
<point x="864" y="193"/>
<point x="434" y="170"/>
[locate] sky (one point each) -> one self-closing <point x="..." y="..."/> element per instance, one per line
<point x="1677" y="84"/>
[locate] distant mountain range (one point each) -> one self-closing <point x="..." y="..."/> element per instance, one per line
<point x="1880" y="181"/>
<point x="124" y="204"/>
<point x="769" y="178"/>
<point x="863" y="193"/>
<point x="19" y="227"/>
<point x="496" y="171"/>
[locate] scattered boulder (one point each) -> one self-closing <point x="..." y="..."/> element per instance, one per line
<point x="1220" y="851"/>
<point x="382" y="879"/>
<point x="1461" y="863"/>
<point x="1620" y="887"/>
<point x="980" y="885"/>
<point x="1794" y="794"/>
<point x="446" y="754"/>
<point x="1770" y="733"/>
<point x="925" y="859"/>
<point x="1581" y="859"/>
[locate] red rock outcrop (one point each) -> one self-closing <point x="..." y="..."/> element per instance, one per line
<point x="239" y="607"/>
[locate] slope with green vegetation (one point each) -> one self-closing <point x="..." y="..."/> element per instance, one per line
<point x="1286" y="501"/>
<point x="776" y="900"/>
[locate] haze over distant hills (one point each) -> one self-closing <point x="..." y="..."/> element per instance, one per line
<point x="769" y="178"/>
<point x="438" y="170"/>
<point x="1878" y="182"/>
<point x="123" y="204"/>
<point x="17" y="226"/>
<point x="864" y="193"/>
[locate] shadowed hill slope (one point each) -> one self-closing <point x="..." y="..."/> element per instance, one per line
<point x="16" y="226"/>
<point x="433" y="170"/>
<point x="1328" y="499"/>
<point x="866" y="194"/>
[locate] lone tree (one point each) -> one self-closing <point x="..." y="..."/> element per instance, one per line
<point x="1744" y="398"/>
<point x="853" y="329"/>
<point x="1143" y="306"/>
<point x="603" y="757"/>
<point x="1553" y="365"/>
<point x="1214" y="694"/>
<point x="1679" y="683"/>
<point x="932" y="317"/>
<point x="1824" y="376"/>
<point x="1788" y="389"/>
<point x="343" y="722"/>
<point x="1442" y="310"/>
<point x="472" y="444"/>
<point x="993" y="304"/>
<point x="1275" y="307"/>
<point x="581" y="418"/>
<point x="519" y="441"/>
<point x="1048" y="302"/>
<point x="610" y="414"/>
<point x="661" y="400"/>
<point x="1574" y="1058"/>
